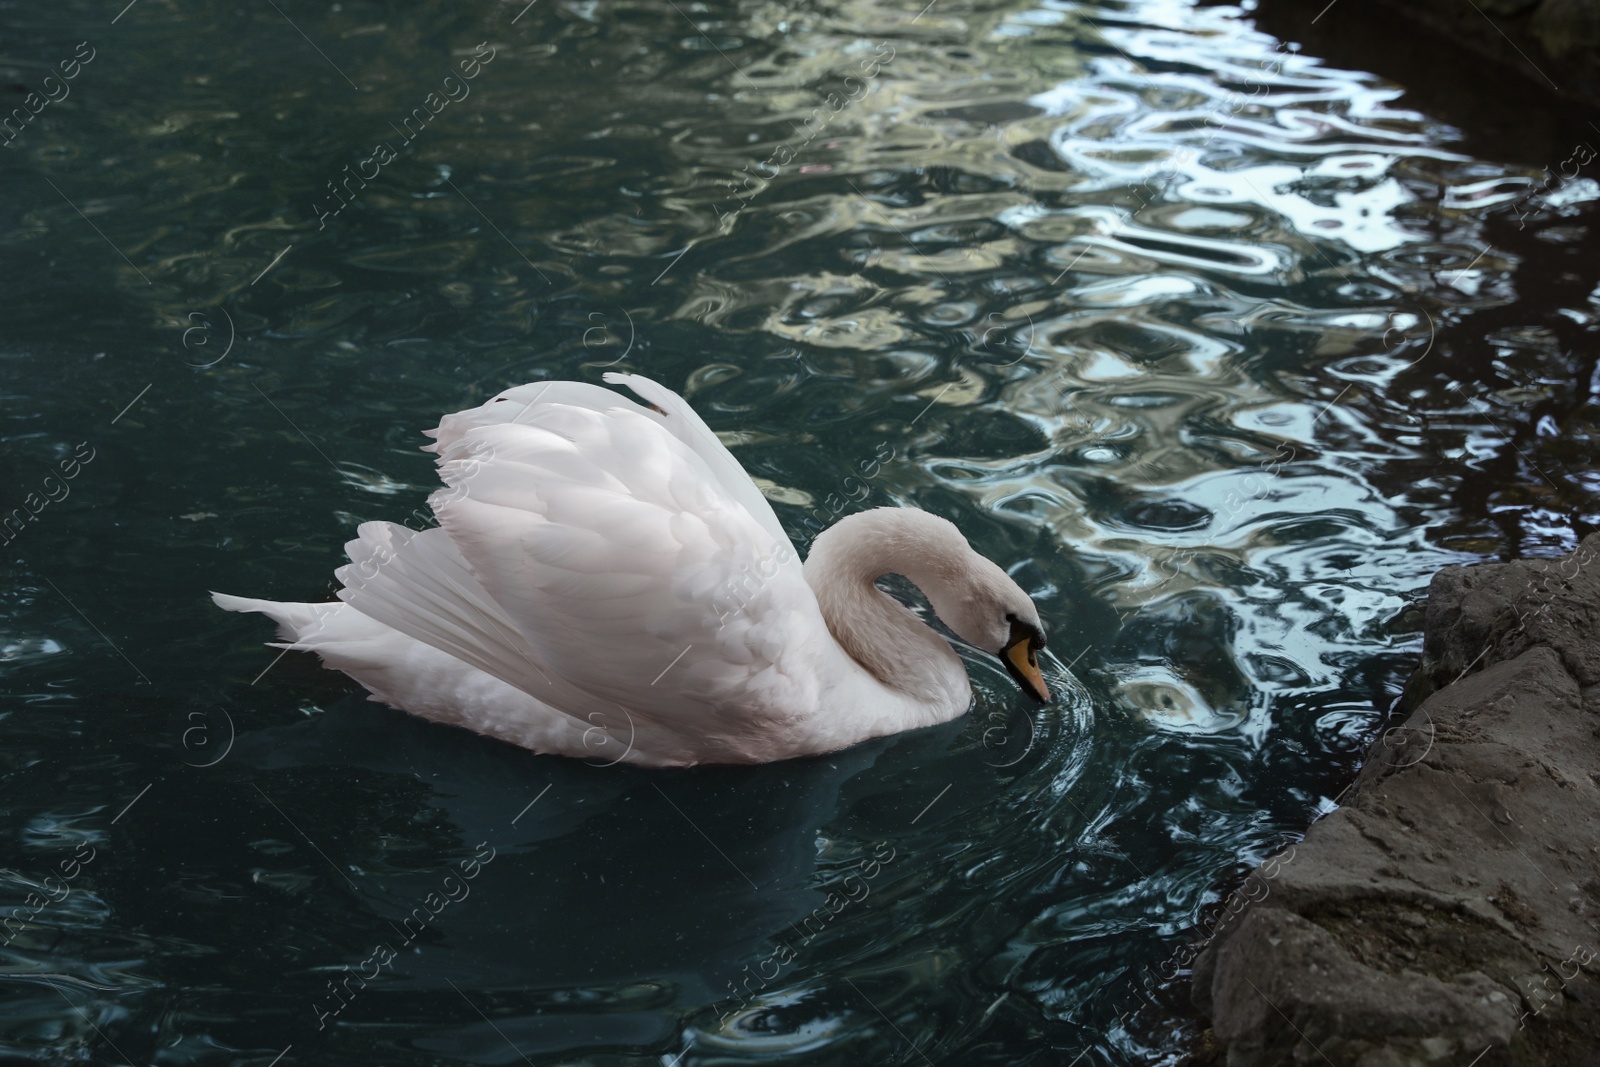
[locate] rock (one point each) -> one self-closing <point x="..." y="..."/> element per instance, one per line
<point x="1449" y="911"/>
<point x="1479" y="616"/>
<point x="1552" y="44"/>
<point x="1286" y="1015"/>
<point x="1567" y="28"/>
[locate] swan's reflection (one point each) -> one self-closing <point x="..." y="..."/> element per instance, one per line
<point x="614" y="900"/>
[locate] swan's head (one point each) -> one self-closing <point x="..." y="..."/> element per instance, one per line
<point x="987" y="609"/>
<point x="968" y="592"/>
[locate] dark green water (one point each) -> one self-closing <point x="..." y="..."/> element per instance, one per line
<point x="1221" y="350"/>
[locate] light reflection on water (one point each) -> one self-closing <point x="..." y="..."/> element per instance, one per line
<point x="1221" y="350"/>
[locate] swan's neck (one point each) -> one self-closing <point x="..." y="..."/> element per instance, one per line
<point x="877" y="631"/>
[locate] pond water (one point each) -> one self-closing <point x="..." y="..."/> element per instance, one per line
<point x="1220" y="349"/>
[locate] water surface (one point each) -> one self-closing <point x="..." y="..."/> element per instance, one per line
<point x="1221" y="350"/>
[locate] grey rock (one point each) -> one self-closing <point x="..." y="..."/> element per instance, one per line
<point x="1449" y="911"/>
<point x="1479" y="616"/>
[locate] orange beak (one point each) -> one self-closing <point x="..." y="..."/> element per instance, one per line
<point x="1021" y="659"/>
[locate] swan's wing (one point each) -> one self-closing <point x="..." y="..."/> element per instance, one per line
<point x="674" y="413"/>
<point x="628" y="567"/>
<point x="667" y="409"/>
<point x="418" y="583"/>
<point x="514" y="405"/>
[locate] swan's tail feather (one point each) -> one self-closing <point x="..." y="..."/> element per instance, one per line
<point x="296" y="622"/>
<point x="427" y="681"/>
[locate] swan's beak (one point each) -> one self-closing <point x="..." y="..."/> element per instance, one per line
<point x="1021" y="659"/>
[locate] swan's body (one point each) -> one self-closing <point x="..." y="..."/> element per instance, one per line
<point x="606" y="582"/>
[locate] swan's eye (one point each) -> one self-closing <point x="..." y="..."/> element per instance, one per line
<point x="1020" y="629"/>
<point x="1035" y="635"/>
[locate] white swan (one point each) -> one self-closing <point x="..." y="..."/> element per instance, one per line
<point x="607" y="582"/>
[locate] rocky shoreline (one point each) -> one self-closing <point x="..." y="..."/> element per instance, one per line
<point x="1448" y="912"/>
<point x="1554" y="45"/>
